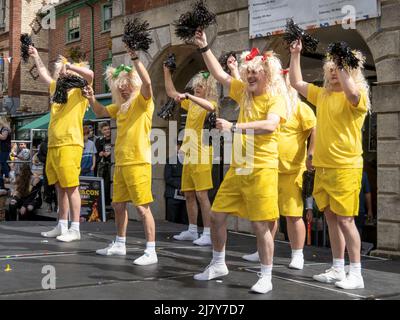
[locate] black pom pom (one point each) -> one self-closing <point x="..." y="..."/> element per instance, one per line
<point x="308" y="184"/>
<point x="65" y="83"/>
<point x="211" y="121"/>
<point x="294" y="33"/>
<point x="188" y="23"/>
<point x="137" y="35"/>
<point x="167" y="110"/>
<point x="223" y="60"/>
<point x="26" y="41"/>
<point x="342" y="55"/>
<point x="170" y="63"/>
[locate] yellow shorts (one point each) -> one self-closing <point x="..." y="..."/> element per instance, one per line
<point x="63" y="165"/>
<point x="339" y="189"/>
<point x="132" y="183"/>
<point x="197" y="177"/>
<point x="290" y="196"/>
<point x="252" y="196"/>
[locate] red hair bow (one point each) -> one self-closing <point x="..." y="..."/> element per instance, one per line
<point x="285" y="71"/>
<point x="254" y="53"/>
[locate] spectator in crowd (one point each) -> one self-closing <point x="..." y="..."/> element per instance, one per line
<point x="175" y="200"/>
<point x="49" y="192"/>
<point x="21" y="154"/>
<point x="5" y="149"/>
<point x="89" y="155"/>
<point x="365" y="209"/>
<point x="103" y="159"/>
<point x="26" y="198"/>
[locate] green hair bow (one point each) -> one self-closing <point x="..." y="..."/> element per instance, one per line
<point x="121" y="68"/>
<point x="205" y="74"/>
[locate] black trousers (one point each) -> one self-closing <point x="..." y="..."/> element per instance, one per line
<point x="176" y="211"/>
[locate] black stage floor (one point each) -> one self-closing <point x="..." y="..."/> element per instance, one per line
<point x="80" y="274"/>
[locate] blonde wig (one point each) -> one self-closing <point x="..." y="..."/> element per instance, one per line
<point x="206" y="80"/>
<point x="356" y="74"/>
<point x="60" y="65"/>
<point x="270" y="64"/>
<point x="117" y="80"/>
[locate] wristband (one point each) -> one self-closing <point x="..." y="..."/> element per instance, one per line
<point x="205" y="49"/>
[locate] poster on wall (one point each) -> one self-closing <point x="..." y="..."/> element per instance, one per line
<point x="91" y="190"/>
<point x="268" y="17"/>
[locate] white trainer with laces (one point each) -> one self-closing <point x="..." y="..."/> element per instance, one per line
<point x="213" y="271"/>
<point x="113" y="249"/>
<point x="146" y="259"/>
<point x="331" y="275"/>
<point x="187" y="236"/>
<point x="297" y="263"/>
<point x="263" y="285"/>
<point x="69" y="236"/>
<point x="352" y="282"/>
<point x="54" y="233"/>
<point x="204" y="240"/>
<point x="254" y="257"/>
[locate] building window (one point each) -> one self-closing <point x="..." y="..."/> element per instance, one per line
<point x="2" y="74"/>
<point x="74" y="28"/>
<point x="107" y="16"/>
<point x="106" y="64"/>
<point x="2" y="14"/>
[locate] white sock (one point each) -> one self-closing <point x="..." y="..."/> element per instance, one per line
<point x="206" y="232"/>
<point x="297" y="253"/>
<point x="338" y="263"/>
<point x="355" y="268"/>
<point x="192" y="228"/>
<point x="218" y="257"/>
<point x="266" y="270"/>
<point x="121" y="241"/>
<point x="63" y="224"/>
<point x="75" y="226"/>
<point x="151" y="247"/>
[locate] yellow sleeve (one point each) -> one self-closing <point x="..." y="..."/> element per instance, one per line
<point x="112" y="110"/>
<point x="215" y="105"/>
<point x="307" y="116"/>
<point x="52" y="87"/>
<point x="278" y="107"/>
<point x="144" y="103"/>
<point x="185" y="104"/>
<point x="237" y="90"/>
<point x="362" y="106"/>
<point x="312" y="94"/>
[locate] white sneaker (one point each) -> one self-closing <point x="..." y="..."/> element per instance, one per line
<point x="54" y="233"/>
<point x="331" y="275"/>
<point x="254" y="257"/>
<point x="297" y="263"/>
<point x="204" y="240"/>
<point x="263" y="284"/>
<point x="146" y="259"/>
<point x="187" y="236"/>
<point x="212" y="271"/>
<point x="113" y="249"/>
<point x="69" y="236"/>
<point x="352" y="281"/>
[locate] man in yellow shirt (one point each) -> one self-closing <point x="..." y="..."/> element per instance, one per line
<point x="292" y="147"/>
<point x="250" y="188"/>
<point x="65" y="145"/>
<point x="133" y="109"/>
<point x="197" y="166"/>
<point x="342" y="105"/>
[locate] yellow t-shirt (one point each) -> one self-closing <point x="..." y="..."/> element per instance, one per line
<point x="66" y="120"/>
<point x="193" y="145"/>
<point x="257" y="151"/>
<point x="339" y="125"/>
<point x="292" y="143"/>
<point x="132" y="145"/>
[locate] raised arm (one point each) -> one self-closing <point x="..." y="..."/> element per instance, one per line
<point x="98" y="108"/>
<point x="42" y="70"/>
<point x="85" y="73"/>
<point x="311" y="149"/>
<point x="169" y="84"/>
<point x="211" y="61"/>
<point x="146" y="89"/>
<point x="256" y="127"/>
<point x="205" y="104"/>
<point x="349" y="87"/>
<point x="296" y="77"/>
<point x="233" y="66"/>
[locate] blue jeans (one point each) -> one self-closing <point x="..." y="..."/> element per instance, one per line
<point x="5" y="169"/>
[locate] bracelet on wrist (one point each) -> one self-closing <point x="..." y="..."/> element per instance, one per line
<point x="205" y="49"/>
<point x="135" y="58"/>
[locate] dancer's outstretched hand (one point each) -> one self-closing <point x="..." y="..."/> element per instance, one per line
<point x="33" y="51"/>
<point x="88" y="93"/>
<point x="232" y="63"/>
<point x="200" y="39"/>
<point x="180" y="97"/>
<point x="296" y="47"/>
<point x="223" y="125"/>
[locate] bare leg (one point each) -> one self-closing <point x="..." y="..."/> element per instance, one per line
<point x="74" y="199"/>
<point x="148" y="222"/>
<point x="296" y="232"/>
<point x="336" y="236"/>
<point x="352" y="237"/>
<point x="63" y="203"/>
<point x="265" y="241"/>
<point x="218" y="231"/>
<point x="205" y="206"/>
<point x="191" y="206"/>
<point x="121" y="218"/>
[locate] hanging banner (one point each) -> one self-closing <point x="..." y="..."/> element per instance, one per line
<point x="92" y="194"/>
<point x="268" y="17"/>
